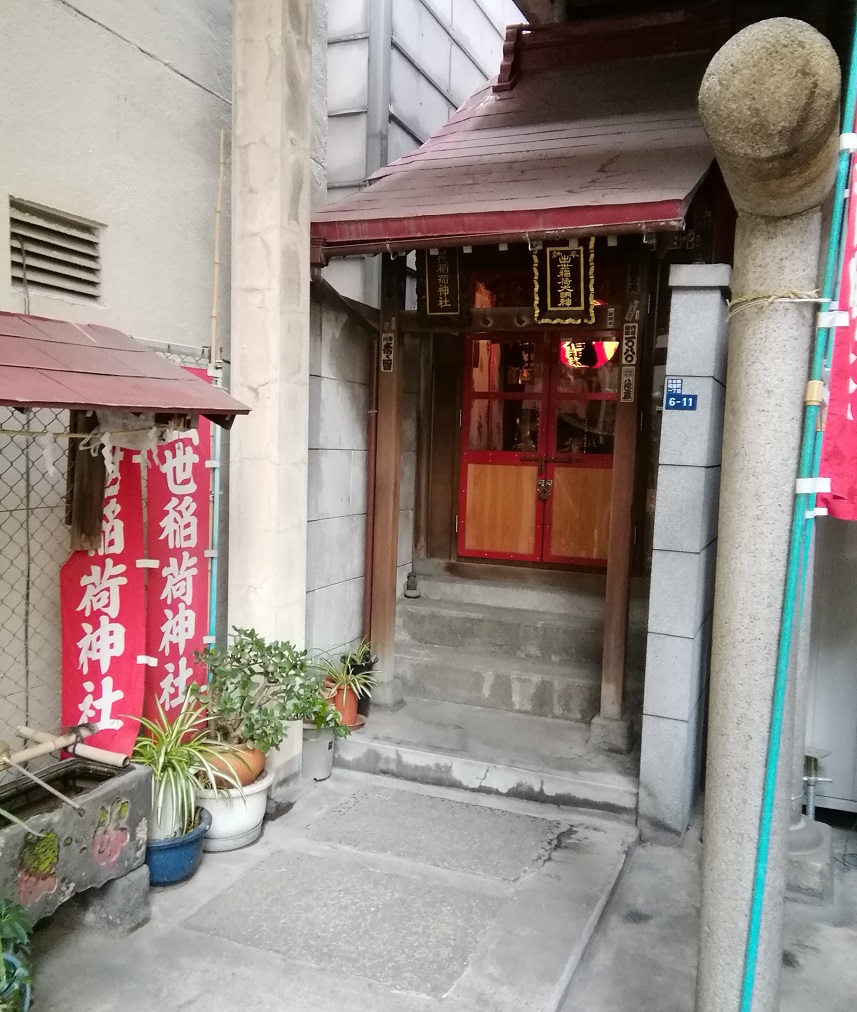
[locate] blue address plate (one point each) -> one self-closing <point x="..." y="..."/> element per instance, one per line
<point x="680" y="402"/>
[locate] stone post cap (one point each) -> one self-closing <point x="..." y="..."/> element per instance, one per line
<point x="769" y="102"/>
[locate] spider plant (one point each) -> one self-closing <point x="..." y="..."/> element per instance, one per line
<point x="177" y="753"/>
<point x="350" y="672"/>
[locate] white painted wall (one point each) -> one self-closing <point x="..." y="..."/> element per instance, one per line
<point x="95" y="126"/>
<point x="110" y="111"/>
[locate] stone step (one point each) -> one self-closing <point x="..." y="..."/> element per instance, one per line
<point x="490" y="751"/>
<point x="566" y="691"/>
<point x="584" y="598"/>
<point x="508" y="632"/>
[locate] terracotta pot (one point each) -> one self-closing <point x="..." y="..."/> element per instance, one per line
<point x="246" y="763"/>
<point x="345" y="700"/>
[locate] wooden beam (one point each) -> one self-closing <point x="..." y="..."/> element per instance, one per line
<point x="520" y="319"/>
<point x="387" y="479"/>
<point x="621" y="541"/>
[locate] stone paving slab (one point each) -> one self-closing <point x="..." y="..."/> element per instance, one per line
<point x="398" y="930"/>
<point x="440" y="832"/>
<point x="297" y="923"/>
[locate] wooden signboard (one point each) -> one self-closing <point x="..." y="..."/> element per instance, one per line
<point x="441" y="290"/>
<point x="564" y="283"/>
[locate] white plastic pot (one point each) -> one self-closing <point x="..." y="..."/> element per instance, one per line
<point x="317" y="761"/>
<point x="236" y="821"/>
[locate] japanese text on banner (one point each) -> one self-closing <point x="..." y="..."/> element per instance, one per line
<point x="179" y="534"/>
<point x="102" y="598"/>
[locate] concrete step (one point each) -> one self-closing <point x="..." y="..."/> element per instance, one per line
<point x="566" y="690"/>
<point x="490" y="751"/>
<point x="583" y="597"/>
<point x="508" y="632"/>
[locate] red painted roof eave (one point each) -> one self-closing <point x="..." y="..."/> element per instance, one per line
<point x="354" y="236"/>
<point x="61" y="364"/>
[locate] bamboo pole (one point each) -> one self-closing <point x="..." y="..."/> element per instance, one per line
<point x="218" y="210"/>
<point x="48" y="744"/>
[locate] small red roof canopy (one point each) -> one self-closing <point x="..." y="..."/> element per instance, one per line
<point x="561" y="143"/>
<point x="59" y="364"/>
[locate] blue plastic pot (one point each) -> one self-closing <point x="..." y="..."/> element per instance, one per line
<point x="175" y="859"/>
<point x="16" y="988"/>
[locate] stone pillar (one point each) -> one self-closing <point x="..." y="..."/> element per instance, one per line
<point x="769" y="102"/>
<point x="271" y="186"/>
<point x="685" y="543"/>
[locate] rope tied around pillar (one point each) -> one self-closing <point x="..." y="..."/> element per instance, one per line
<point x="763" y="301"/>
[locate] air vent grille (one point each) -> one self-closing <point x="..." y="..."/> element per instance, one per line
<point x="61" y="253"/>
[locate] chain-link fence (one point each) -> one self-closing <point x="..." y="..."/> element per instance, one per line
<point x="34" y="544"/>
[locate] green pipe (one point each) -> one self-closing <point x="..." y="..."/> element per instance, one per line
<point x="810" y="455"/>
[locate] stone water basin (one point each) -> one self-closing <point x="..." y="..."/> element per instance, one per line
<point x="75" y="851"/>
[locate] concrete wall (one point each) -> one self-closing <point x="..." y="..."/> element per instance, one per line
<point x="436" y="54"/>
<point x="111" y="112"/>
<point x="339" y="406"/>
<point x="683" y="560"/>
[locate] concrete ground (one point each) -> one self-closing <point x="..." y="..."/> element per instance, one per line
<point x="643" y="956"/>
<point x="380" y="895"/>
<point x="369" y="894"/>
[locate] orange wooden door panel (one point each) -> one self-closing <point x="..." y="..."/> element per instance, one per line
<point x="578" y="527"/>
<point x="500" y="515"/>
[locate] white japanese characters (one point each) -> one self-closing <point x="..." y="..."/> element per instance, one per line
<point x="102" y="707"/>
<point x="179" y="553"/>
<point x="103" y="638"/>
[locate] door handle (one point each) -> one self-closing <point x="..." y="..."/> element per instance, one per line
<point x="543" y="488"/>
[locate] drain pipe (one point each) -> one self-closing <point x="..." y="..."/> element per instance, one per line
<point x="769" y="102"/>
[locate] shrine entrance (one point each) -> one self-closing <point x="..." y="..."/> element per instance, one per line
<point x="539" y="417"/>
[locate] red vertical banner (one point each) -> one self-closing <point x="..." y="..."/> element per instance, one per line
<point x="179" y="533"/>
<point x="102" y="599"/>
<point x="839" y="445"/>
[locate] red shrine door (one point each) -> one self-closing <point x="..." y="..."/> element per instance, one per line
<point x="537" y="446"/>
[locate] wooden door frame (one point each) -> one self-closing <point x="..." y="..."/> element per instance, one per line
<point x="624" y="513"/>
<point x="624" y="504"/>
<point x="381" y="581"/>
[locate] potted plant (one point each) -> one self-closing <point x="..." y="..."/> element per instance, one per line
<point x="322" y="725"/>
<point x="350" y="680"/>
<point x="250" y="698"/>
<point x="15" y="932"/>
<point x="176" y="753"/>
<point x="363" y="660"/>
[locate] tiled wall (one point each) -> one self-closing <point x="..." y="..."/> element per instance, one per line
<point x="339" y="403"/>
<point x="340" y="360"/>
<point x="683" y="559"/>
